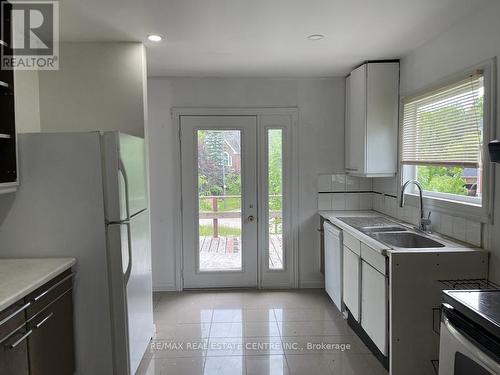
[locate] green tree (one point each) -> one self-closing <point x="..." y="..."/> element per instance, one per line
<point x="437" y="125"/>
<point x="233" y="184"/>
<point x="275" y="174"/>
<point x="442" y="179"/>
<point x="210" y="161"/>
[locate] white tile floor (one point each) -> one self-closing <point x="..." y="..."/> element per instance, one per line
<point x="254" y="332"/>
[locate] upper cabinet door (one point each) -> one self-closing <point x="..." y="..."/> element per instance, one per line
<point x="347" y="132"/>
<point x="372" y="102"/>
<point x="357" y="121"/>
<point x="382" y="110"/>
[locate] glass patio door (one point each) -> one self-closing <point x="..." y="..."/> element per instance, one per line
<point x="219" y="205"/>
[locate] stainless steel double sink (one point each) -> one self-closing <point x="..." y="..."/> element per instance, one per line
<point x="393" y="234"/>
<point x="406" y="240"/>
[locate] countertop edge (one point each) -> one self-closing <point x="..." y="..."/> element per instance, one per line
<point x="66" y="263"/>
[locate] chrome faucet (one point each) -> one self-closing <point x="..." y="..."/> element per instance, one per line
<point x="425" y="223"/>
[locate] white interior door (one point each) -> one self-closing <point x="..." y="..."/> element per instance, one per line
<point x="219" y="200"/>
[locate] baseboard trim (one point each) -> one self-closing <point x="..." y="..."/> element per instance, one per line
<point x="312" y="284"/>
<point x="276" y="286"/>
<point x="164" y="287"/>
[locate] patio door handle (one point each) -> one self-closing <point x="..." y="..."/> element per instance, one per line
<point x="251" y="218"/>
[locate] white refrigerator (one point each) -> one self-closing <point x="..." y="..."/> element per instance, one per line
<point x="85" y="195"/>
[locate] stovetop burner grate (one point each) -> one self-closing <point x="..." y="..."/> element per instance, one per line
<point x="469" y="284"/>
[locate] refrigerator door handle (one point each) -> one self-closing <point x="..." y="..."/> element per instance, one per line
<point x="128" y="271"/>
<point x="121" y="168"/>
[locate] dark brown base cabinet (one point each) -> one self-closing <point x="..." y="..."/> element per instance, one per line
<point x="37" y="333"/>
<point x="13" y="348"/>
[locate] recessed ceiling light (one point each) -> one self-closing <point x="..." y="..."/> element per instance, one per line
<point x="315" y="37"/>
<point x="155" y="38"/>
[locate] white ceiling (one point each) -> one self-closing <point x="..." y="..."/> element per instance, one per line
<point x="263" y="37"/>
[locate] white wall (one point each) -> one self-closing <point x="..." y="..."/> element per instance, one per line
<point x="164" y="180"/>
<point x="473" y="40"/>
<point x="321" y="149"/>
<point x="99" y="86"/>
<point x="27" y="101"/>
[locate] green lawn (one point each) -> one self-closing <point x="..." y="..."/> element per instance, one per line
<point x="206" y="230"/>
<point x="232" y="204"/>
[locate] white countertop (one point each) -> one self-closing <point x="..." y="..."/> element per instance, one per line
<point x="19" y="277"/>
<point x="333" y="216"/>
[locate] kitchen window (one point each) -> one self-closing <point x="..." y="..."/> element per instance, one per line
<point x="443" y="134"/>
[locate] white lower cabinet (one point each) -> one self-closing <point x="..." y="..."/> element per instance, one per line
<point x="333" y="263"/>
<point x="351" y="281"/>
<point x="374" y="306"/>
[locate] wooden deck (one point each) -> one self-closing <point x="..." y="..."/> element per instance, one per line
<point x="275" y="251"/>
<point x="224" y="253"/>
<point x="219" y="244"/>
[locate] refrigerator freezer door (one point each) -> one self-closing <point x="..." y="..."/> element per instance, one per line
<point x="133" y="160"/>
<point x="124" y="175"/>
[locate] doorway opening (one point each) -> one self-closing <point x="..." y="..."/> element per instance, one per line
<point x="238" y="199"/>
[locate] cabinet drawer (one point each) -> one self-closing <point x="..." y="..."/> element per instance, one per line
<point x="352" y="243"/>
<point x="11" y="319"/>
<point x="374" y="258"/>
<point x="48" y="293"/>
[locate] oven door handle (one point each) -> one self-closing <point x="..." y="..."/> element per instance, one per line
<point x="484" y="360"/>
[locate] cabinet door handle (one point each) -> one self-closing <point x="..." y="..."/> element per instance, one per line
<point x="21" y="339"/>
<point x="53" y="287"/>
<point x="15" y="313"/>
<point x="44" y="320"/>
<point x="351" y="169"/>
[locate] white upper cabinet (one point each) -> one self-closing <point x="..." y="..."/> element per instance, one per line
<point x="371" y="120"/>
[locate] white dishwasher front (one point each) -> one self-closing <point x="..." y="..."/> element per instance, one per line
<point x="333" y="263"/>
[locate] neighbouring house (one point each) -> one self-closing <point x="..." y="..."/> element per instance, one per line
<point x="232" y="152"/>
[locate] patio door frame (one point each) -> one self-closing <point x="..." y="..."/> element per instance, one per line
<point x="267" y="118"/>
<point x="193" y="275"/>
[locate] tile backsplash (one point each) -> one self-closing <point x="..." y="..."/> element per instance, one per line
<point x="343" y="192"/>
<point x="452" y="226"/>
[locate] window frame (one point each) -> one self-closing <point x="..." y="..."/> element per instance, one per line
<point x="451" y="203"/>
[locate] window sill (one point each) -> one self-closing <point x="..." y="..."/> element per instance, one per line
<point x="450" y="207"/>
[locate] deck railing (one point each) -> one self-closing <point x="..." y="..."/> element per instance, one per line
<point x="215" y="214"/>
